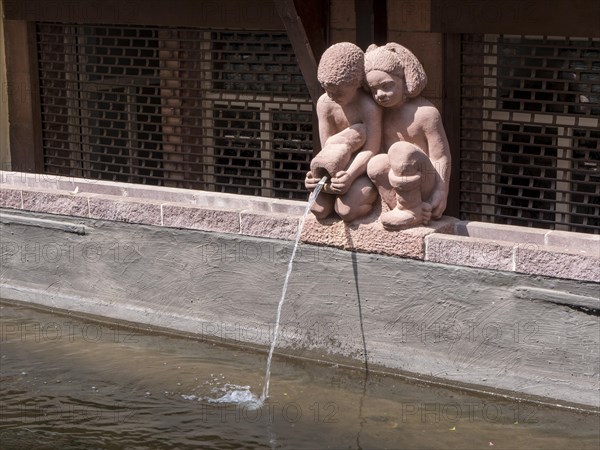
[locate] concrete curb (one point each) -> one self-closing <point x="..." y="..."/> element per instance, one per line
<point x="509" y="248"/>
<point x="494" y="328"/>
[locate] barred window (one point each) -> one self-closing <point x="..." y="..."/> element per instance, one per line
<point x="530" y="145"/>
<point x="217" y="110"/>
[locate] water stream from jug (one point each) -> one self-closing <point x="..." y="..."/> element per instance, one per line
<point x="311" y="201"/>
<point x="242" y="394"/>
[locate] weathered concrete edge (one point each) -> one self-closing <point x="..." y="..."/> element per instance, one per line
<point x="557" y="254"/>
<point x="96" y="306"/>
<point x="244" y="291"/>
<point x="129" y="315"/>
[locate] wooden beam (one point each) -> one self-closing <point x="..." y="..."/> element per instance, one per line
<point x="247" y="14"/>
<point x="23" y="96"/>
<point x="380" y="22"/>
<point x="301" y="45"/>
<point x="451" y="116"/>
<point x="314" y="15"/>
<point x="365" y="28"/>
<point x="580" y="18"/>
<point x="371" y="22"/>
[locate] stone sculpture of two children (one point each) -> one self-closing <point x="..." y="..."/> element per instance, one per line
<point x="398" y="150"/>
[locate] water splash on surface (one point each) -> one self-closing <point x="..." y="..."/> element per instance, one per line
<point x="242" y="394"/>
<point x="240" y="397"/>
<point x="233" y="393"/>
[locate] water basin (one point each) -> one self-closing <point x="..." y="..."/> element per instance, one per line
<point x="72" y="383"/>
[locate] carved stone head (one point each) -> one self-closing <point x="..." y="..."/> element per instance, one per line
<point x="342" y="63"/>
<point x="397" y="60"/>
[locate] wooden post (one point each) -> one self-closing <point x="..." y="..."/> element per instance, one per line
<point x="365" y="26"/>
<point x="451" y="116"/>
<point x="23" y="99"/>
<point x="301" y="45"/>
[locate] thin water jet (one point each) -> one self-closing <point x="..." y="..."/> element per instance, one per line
<point x="244" y="396"/>
<point x="311" y="201"/>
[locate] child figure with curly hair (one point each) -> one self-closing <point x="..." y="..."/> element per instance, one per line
<point x="350" y="133"/>
<point x="413" y="174"/>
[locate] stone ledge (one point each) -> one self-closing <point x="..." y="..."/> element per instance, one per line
<point x="518" y="249"/>
<point x="589" y="243"/>
<point x="499" y="232"/>
<point x="275" y="226"/>
<point x="11" y="198"/>
<point x="367" y="235"/>
<point x="123" y="209"/>
<point x="205" y="219"/>
<point x="488" y="246"/>
<point x="567" y="240"/>
<point x="54" y="183"/>
<point x="557" y="262"/>
<point x="55" y="202"/>
<point x="146" y="211"/>
<point x="471" y="252"/>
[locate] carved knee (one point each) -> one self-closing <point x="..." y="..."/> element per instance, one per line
<point x="407" y="159"/>
<point x="320" y="213"/>
<point x="344" y="211"/>
<point x="378" y="165"/>
<point x="323" y="207"/>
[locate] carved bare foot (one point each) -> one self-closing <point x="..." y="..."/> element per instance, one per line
<point x="397" y="219"/>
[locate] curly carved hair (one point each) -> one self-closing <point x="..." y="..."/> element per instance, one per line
<point x="343" y="62"/>
<point x="397" y="60"/>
